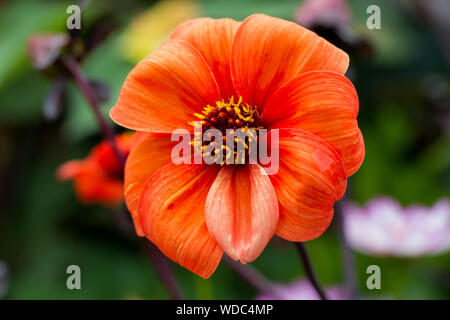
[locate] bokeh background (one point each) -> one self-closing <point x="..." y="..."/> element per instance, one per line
<point x="401" y="73"/>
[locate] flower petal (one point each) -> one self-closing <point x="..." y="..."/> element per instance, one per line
<point x="91" y="186"/>
<point x="324" y="103"/>
<point x="91" y="183"/>
<point x="267" y="52"/>
<point x="150" y="152"/>
<point x="241" y="211"/>
<point x="310" y="179"/>
<point x="172" y="216"/>
<point x="213" y="38"/>
<point x="105" y="157"/>
<point x="69" y="169"/>
<point x="165" y="89"/>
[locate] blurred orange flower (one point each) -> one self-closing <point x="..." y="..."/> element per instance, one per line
<point x="99" y="177"/>
<point x="290" y="79"/>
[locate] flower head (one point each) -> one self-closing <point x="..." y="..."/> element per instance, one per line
<point x="263" y="72"/>
<point x="99" y="177"/>
<point x="300" y="290"/>
<point x="383" y="227"/>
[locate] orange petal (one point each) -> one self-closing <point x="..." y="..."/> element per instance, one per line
<point x="165" y="89"/>
<point x="69" y="170"/>
<point x="124" y="141"/>
<point x="92" y="187"/>
<point x="324" y="103"/>
<point x="103" y="154"/>
<point x="310" y="179"/>
<point x="213" y="38"/>
<point x="172" y="216"/>
<point x="150" y="152"/>
<point x="267" y="52"/>
<point x="242" y="211"/>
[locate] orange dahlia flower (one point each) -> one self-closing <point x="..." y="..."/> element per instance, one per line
<point x="293" y="81"/>
<point x="99" y="177"/>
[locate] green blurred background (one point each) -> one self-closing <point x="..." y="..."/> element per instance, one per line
<point x="403" y="87"/>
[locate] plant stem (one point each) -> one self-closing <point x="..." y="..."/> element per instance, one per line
<point x="309" y="270"/>
<point x="164" y="272"/>
<point x="250" y="275"/>
<point x="347" y="255"/>
<point x="86" y="90"/>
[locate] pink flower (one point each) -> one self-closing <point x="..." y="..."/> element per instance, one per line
<point x="383" y="227"/>
<point x="300" y="290"/>
<point x="327" y="12"/>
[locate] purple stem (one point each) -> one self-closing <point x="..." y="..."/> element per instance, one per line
<point x="309" y="270"/>
<point x="347" y="255"/>
<point x="86" y="90"/>
<point x="163" y="269"/>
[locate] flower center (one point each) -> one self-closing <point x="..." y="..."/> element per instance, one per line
<point x="229" y="115"/>
<point x="237" y="121"/>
